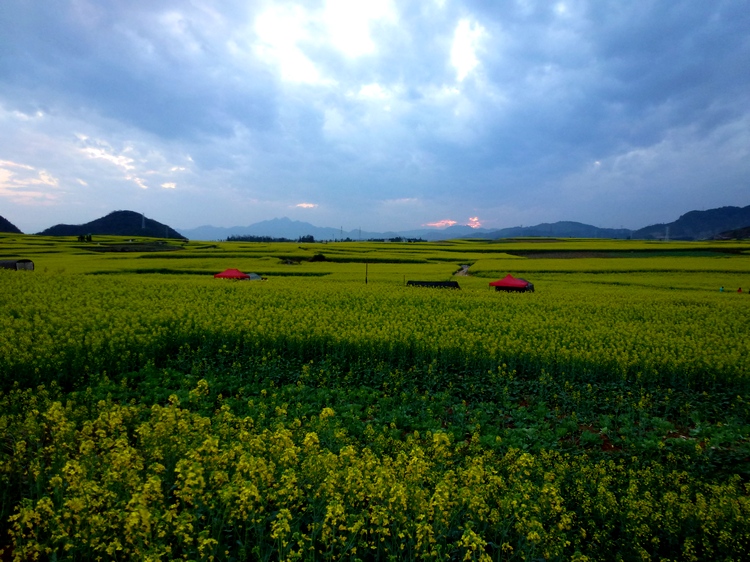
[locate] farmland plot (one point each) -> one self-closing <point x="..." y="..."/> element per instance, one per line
<point x="313" y="416"/>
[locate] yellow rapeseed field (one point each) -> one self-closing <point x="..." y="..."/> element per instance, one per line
<point x="149" y="411"/>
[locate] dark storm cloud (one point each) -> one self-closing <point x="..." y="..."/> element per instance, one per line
<point x="605" y="78"/>
<point x="506" y="104"/>
<point x="127" y="65"/>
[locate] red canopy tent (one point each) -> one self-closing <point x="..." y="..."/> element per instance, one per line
<point x="231" y="274"/>
<point x="510" y="283"/>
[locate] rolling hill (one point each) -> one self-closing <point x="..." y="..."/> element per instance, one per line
<point x="117" y="223"/>
<point x="736" y="234"/>
<point x="7" y="226"/>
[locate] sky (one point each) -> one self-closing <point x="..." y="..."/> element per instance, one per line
<point x="374" y="114"/>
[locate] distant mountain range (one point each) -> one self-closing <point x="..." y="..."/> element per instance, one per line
<point x="724" y="222"/>
<point x="695" y="225"/>
<point x="562" y="229"/>
<point x="117" y="223"/>
<point x="286" y="228"/>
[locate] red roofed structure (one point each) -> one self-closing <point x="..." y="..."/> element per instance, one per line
<point x="510" y="283"/>
<point x="232" y="274"/>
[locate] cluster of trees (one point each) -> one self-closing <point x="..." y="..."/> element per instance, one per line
<point x="395" y="239"/>
<point x="309" y="239"/>
<point x="267" y="239"/>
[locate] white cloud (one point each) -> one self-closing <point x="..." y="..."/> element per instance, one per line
<point x="134" y="162"/>
<point x="443" y="94"/>
<point x="140" y="182"/>
<point x="280" y="29"/>
<point x="10" y="179"/>
<point x="287" y="34"/>
<point x="348" y="24"/>
<point x="46" y="179"/>
<point x="306" y="205"/>
<point x="121" y="161"/>
<point x="441" y="223"/>
<point x="20" y="183"/>
<point x="374" y="91"/>
<point x="102" y="151"/>
<point x="466" y="42"/>
<point x="6" y="176"/>
<point x="9" y="164"/>
<point x="402" y="201"/>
